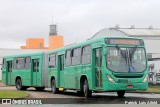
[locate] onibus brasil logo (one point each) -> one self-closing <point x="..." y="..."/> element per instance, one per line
<point x="22" y="101"/>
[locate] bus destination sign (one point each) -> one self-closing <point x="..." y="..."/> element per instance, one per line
<point x="124" y="41"/>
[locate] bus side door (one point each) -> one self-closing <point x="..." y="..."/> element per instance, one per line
<point x="35" y="70"/>
<point x="61" y="70"/>
<point x="98" y="67"/>
<point x="9" y="71"/>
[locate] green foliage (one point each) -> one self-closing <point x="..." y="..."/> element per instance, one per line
<point x="150" y="90"/>
<point x="13" y="94"/>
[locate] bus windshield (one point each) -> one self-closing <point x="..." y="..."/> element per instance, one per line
<point x="126" y="59"/>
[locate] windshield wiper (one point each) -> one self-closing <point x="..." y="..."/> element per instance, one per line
<point x="131" y="53"/>
<point x="122" y="52"/>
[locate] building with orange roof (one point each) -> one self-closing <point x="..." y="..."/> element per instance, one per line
<point x="55" y="41"/>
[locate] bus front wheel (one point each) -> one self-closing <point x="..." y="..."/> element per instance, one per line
<point x="120" y="94"/>
<point x="53" y="87"/>
<point x="87" y="92"/>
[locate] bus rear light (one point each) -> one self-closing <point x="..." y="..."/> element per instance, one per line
<point x="110" y="79"/>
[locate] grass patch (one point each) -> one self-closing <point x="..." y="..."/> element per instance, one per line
<point x="13" y="94"/>
<point x="150" y="90"/>
<point x="154" y="86"/>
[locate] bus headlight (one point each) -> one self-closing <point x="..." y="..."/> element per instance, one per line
<point x="146" y="78"/>
<point x="110" y="79"/>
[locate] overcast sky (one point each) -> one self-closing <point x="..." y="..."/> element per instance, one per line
<point x="77" y="20"/>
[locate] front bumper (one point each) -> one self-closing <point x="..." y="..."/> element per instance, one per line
<point x="109" y="86"/>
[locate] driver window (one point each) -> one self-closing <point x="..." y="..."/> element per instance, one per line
<point x="113" y="57"/>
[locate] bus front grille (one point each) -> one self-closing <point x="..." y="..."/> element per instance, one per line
<point x="128" y="75"/>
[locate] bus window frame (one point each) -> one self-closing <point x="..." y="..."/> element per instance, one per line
<point x="55" y="60"/>
<point x="29" y="63"/>
<point x="70" y="57"/>
<point x="15" y="66"/>
<point x="76" y="56"/>
<point x="86" y="54"/>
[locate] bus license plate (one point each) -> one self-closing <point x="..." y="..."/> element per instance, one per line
<point x="129" y="86"/>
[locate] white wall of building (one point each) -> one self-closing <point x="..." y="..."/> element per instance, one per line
<point x="152" y="46"/>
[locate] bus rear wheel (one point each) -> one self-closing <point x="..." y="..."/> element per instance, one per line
<point x="53" y="87"/>
<point x="19" y="84"/>
<point x="120" y="94"/>
<point x="87" y="92"/>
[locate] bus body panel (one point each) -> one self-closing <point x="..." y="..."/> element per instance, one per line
<point x="27" y="75"/>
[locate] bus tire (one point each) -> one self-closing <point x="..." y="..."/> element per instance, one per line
<point x="19" y="84"/>
<point x="53" y="87"/>
<point x="120" y="94"/>
<point x="39" y="88"/>
<point x="87" y="92"/>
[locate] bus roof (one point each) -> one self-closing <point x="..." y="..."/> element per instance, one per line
<point x="90" y="41"/>
<point x="24" y="55"/>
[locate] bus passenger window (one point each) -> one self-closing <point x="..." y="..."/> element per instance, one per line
<point x="37" y="65"/>
<point x="14" y="64"/>
<point x="68" y="58"/>
<point x="52" y="61"/>
<point x="20" y="63"/>
<point x="76" y="56"/>
<point x="97" y="56"/>
<point x="98" y="60"/>
<point x="86" y="55"/>
<point x="34" y="66"/>
<point x="61" y="62"/>
<point x="27" y="63"/>
<point x="10" y="66"/>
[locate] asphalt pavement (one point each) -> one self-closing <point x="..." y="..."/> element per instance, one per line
<point x="71" y="97"/>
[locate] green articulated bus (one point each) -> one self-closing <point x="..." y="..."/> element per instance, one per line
<point x="98" y="65"/>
